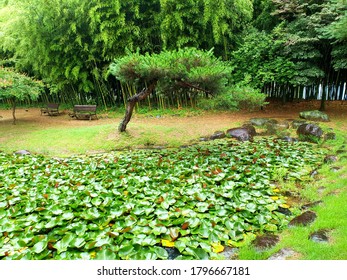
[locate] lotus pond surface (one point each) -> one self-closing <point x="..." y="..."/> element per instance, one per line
<point x="137" y="204"/>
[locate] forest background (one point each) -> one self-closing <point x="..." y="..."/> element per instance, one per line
<point x="289" y="49"/>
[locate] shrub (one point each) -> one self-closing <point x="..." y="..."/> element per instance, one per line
<point x="237" y="97"/>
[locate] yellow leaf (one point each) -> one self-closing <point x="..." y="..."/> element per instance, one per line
<point x="93" y="255"/>
<point x="276" y="190"/>
<point x="275" y="198"/>
<point x="125" y="193"/>
<point x="284" y="205"/>
<point x="167" y="243"/>
<point x="22" y="249"/>
<point x="217" y="247"/>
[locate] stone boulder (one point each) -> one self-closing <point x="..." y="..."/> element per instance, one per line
<point x="314" y="116"/>
<point x="217" y="135"/>
<point x="261" y="121"/>
<point x="250" y="128"/>
<point x="309" y="132"/>
<point x="275" y="127"/>
<point x="241" y="133"/>
<point x="297" y="123"/>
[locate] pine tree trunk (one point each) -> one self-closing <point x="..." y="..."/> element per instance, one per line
<point x="131" y="102"/>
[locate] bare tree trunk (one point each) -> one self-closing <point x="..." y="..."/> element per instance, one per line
<point x="324" y="96"/>
<point x="13" y="101"/>
<point x="131" y="102"/>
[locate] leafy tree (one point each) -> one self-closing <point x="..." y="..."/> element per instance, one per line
<point x="263" y="18"/>
<point x="179" y="71"/>
<point x="260" y="59"/>
<point x="17" y="87"/>
<point x="313" y="52"/>
<point x="69" y="43"/>
<point x="203" y="24"/>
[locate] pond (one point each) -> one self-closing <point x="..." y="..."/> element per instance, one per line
<point x="196" y="200"/>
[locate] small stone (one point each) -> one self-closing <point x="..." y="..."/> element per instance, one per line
<point x="289" y="139"/>
<point x="303" y="219"/>
<point x="218" y="135"/>
<point x="320" y="236"/>
<point x="321" y="190"/>
<point x="22" y="152"/>
<point x="265" y="241"/>
<point x="204" y="139"/>
<point x="310" y="205"/>
<point x="173" y="253"/>
<point x="335" y="169"/>
<point x="284" y="211"/>
<point x="330" y="136"/>
<point x="330" y="159"/>
<point x="283" y="254"/>
<point x="230" y="253"/>
<point x="314" y="173"/>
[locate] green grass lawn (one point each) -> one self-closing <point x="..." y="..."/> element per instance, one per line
<point x="331" y="189"/>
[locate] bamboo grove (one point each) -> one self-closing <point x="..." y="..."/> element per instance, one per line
<point x="287" y="49"/>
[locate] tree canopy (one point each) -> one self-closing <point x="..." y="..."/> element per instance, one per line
<point x="278" y="46"/>
<point x="17" y="87"/>
<point x="186" y="70"/>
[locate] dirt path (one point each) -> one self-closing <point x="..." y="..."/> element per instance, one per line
<point x="335" y="109"/>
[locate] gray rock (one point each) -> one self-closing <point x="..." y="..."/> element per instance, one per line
<point x="330" y="136"/>
<point x="261" y="121"/>
<point x="312" y="204"/>
<point x="250" y="128"/>
<point x="22" y="152"/>
<point x="241" y="133"/>
<point x="314" y="116"/>
<point x="330" y="159"/>
<point x="289" y="139"/>
<point x="320" y="236"/>
<point x="204" y="139"/>
<point x="309" y="132"/>
<point x="172" y="253"/>
<point x="230" y="253"/>
<point x="218" y="135"/>
<point x="335" y="169"/>
<point x="297" y="123"/>
<point x="314" y="173"/>
<point x="283" y="254"/>
<point x="276" y="127"/>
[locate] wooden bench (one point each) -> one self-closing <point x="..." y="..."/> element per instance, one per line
<point x="84" y="112"/>
<point x="51" y="109"/>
